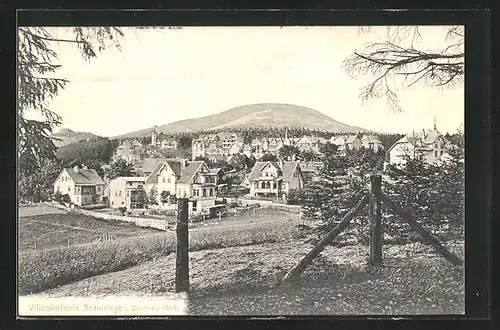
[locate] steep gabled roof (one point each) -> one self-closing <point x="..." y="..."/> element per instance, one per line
<point x="176" y="166"/>
<point x="150" y="164"/>
<point x="432" y="136"/>
<point x="351" y="138"/>
<point x="264" y="164"/>
<point x="153" y="177"/>
<point x="410" y="139"/>
<point x="289" y="169"/>
<point x="84" y="176"/>
<point x="256" y="170"/>
<point x="215" y="170"/>
<point x="189" y="171"/>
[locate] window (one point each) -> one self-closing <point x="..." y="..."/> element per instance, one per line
<point x="69" y="188"/>
<point x="263" y="185"/>
<point x="98" y="189"/>
<point x="194" y="206"/>
<point x="204" y="193"/>
<point x="116" y="193"/>
<point x="274" y="185"/>
<point x="435" y="153"/>
<point x="441" y="152"/>
<point x="128" y="193"/>
<point x="120" y="193"/>
<point x="77" y="199"/>
<point x="58" y="189"/>
<point x="210" y="192"/>
<point x="268" y="185"/>
<point x="112" y="203"/>
<point x="164" y="180"/>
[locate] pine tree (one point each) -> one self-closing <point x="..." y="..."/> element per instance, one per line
<point x="118" y="168"/>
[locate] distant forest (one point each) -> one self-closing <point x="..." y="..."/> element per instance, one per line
<point x="250" y="133"/>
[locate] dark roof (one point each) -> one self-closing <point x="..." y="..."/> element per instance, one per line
<point x="138" y="165"/>
<point x="176" y="166"/>
<point x="288" y="169"/>
<point x="153" y="177"/>
<point x="432" y="136"/>
<point x="84" y="176"/>
<point x="189" y="171"/>
<point x="150" y="164"/>
<point x="351" y="138"/>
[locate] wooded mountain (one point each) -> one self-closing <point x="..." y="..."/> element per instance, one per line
<point x="68" y="136"/>
<point x="254" y="115"/>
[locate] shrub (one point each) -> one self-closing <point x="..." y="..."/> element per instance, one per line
<point x="58" y="196"/>
<point x="295" y="197"/>
<point x="122" y="210"/>
<point x="434" y="193"/>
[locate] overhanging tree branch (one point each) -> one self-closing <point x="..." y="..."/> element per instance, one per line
<point x="392" y="59"/>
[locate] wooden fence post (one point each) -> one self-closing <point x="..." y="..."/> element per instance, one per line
<point x="330" y="236"/>
<point x="424" y="233"/>
<point x="182" y="261"/>
<point x="375" y="216"/>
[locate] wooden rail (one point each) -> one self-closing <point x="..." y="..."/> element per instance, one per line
<point x="320" y="246"/>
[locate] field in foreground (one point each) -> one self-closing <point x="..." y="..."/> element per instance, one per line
<point x="48" y="268"/>
<point x="48" y="227"/>
<point x="245" y="281"/>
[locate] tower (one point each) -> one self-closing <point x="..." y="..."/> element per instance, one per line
<point x="154" y="136"/>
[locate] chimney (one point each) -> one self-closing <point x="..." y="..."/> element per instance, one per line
<point x="76" y="169"/>
<point x="435" y="123"/>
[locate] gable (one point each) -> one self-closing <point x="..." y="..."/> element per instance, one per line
<point x="62" y="175"/>
<point x="268" y="165"/>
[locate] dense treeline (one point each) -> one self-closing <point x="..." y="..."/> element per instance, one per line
<point x="250" y="133"/>
<point x="91" y="153"/>
<point x="433" y="192"/>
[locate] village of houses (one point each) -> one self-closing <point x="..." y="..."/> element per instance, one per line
<point x="205" y="187"/>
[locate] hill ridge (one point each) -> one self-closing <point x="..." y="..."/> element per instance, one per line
<point x="257" y="115"/>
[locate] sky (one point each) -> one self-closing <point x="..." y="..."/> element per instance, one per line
<point x="162" y="76"/>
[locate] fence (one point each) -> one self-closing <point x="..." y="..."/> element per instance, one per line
<point x="375" y="198"/>
<point x="141" y="222"/>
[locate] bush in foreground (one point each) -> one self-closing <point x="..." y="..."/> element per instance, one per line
<point x="46" y="269"/>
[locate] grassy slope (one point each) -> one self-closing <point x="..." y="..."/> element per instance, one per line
<point x="54" y="230"/>
<point x="415" y="280"/>
<point x="50" y="268"/>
